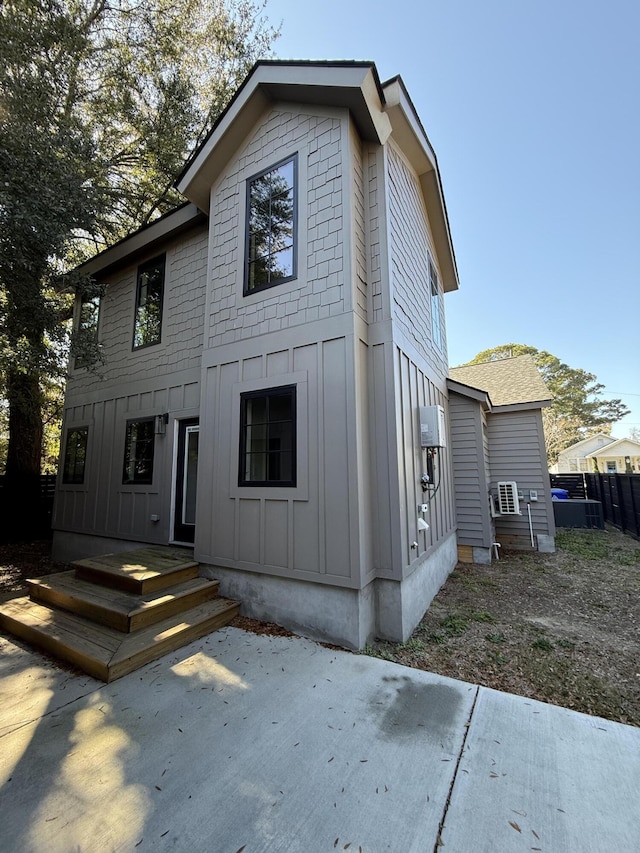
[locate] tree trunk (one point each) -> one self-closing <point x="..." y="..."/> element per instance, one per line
<point x="22" y="511"/>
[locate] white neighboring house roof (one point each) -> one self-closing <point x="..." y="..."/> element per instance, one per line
<point x="618" y="447"/>
<point x="600" y="436"/>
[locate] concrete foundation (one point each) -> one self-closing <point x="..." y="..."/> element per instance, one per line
<point x="546" y="544"/>
<point x="351" y="618"/>
<point x="320" y="612"/>
<point x="401" y="606"/>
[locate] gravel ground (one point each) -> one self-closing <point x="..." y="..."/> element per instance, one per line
<point x="563" y="627"/>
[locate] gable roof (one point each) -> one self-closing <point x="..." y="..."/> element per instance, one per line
<point x="615" y="448"/>
<point x="510" y="382"/>
<point x="600" y="436"/>
<point x="378" y="111"/>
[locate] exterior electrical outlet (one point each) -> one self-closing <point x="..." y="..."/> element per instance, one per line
<point x="433" y="431"/>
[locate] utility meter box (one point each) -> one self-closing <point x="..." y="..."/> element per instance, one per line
<point x="433" y="431"/>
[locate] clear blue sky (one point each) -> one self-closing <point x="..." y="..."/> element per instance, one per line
<point x="533" y="108"/>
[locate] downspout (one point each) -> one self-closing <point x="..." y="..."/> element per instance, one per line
<point x="533" y="542"/>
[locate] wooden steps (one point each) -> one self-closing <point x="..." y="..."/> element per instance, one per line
<point x="103" y="617"/>
<point x="141" y="571"/>
<point x="119" y="609"/>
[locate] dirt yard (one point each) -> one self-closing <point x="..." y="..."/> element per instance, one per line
<point x="563" y="628"/>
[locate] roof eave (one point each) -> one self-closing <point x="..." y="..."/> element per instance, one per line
<point x="144" y="241"/>
<point x="408" y="132"/>
<point x="351" y="85"/>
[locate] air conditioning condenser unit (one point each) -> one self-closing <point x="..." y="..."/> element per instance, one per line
<point x="508" y="501"/>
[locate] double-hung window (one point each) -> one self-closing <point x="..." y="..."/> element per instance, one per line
<point x="138" y="452"/>
<point x="268" y="437"/>
<point x="75" y="455"/>
<point x="149" y="296"/>
<point x="270" y="251"/>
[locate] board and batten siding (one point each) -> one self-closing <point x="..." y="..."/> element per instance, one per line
<point x="311" y="531"/>
<point x="132" y="384"/>
<point x="414" y="388"/>
<point x="516" y="441"/>
<point x="103" y="505"/>
<point x="469" y="449"/>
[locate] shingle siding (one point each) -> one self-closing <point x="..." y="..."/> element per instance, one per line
<point x="411" y="242"/>
<point x="318" y="290"/>
<point x="182" y="321"/>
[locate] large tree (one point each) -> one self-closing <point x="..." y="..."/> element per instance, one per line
<point x="578" y="409"/>
<point x="100" y="103"/>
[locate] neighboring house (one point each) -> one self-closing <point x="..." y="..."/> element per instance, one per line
<point x="496" y="438"/>
<point x="621" y="456"/>
<point x="599" y="453"/>
<point x="267" y="348"/>
<point x="575" y="459"/>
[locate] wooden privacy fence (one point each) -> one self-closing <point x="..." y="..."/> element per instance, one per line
<point x="572" y="483"/>
<point x="619" y="495"/>
<point x="38" y="525"/>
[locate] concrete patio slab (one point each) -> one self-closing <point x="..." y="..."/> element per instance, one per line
<point x="32" y="686"/>
<point x="537" y="777"/>
<point x="240" y="741"/>
<point x="261" y="743"/>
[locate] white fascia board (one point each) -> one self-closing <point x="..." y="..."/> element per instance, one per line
<point x="145" y="238"/>
<point x="354" y="87"/>
<point x="410" y="136"/>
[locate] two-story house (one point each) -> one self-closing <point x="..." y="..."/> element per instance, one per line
<point x="268" y="347"/>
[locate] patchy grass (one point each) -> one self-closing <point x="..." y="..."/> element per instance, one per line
<point x="563" y="628"/>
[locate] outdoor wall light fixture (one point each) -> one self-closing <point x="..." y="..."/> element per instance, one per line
<point x="161" y="423"/>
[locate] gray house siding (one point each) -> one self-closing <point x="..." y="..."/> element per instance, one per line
<point x="517" y="454"/>
<point x="159" y="379"/>
<point x="338" y="554"/>
<point x="470" y="450"/>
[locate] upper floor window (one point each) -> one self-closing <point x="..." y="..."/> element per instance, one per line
<point x="75" y="455"/>
<point x="138" y="452"/>
<point x="270" y="253"/>
<point x="86" y="340"/>
<point x="267" y="437"/>
<point x="149" y="296"/>
<point x="436" y="318"/>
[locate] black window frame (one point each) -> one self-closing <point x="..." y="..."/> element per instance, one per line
<point x="268" y="393"/>
<point x="246" y="290"/>
<point x="436" y="314"/>
<point x="84" y="329"/>
<point x="70" y="475"/>
<point x="136" y="480"/>
<point x="159" y="261"/>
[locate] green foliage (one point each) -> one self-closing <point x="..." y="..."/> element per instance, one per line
<point x="100" y="104"/>
<point x="454" y="625"/>
<point x="543" y="644"/>
<point x="578" y="409"/>
<point x="496" y="638"/>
